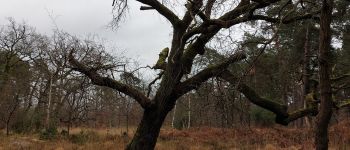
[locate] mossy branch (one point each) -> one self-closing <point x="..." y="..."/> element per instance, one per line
<point x="345" y="103"/>
<point x="280" y="110"/>
<point x="274" y="107"/>
<point x="161" y="63"/>
<point x="292" y="116"/>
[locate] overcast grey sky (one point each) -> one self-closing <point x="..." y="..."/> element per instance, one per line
<point x="142" y="35"/>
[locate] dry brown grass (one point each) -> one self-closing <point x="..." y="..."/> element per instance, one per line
<point x="203" y="138"/>
<point x="256" y="138"/>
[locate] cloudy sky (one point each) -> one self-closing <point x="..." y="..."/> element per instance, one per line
<point x="142" y="35"/>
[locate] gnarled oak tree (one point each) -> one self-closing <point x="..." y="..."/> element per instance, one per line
<point x="201" y="21"/>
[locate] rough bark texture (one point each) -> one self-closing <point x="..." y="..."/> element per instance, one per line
<point x="325" y="112"/>
<point x="147" y="132"/>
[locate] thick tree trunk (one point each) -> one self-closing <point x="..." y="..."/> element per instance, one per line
<point x="148" y="130"/>
<point x="325" y="112"/>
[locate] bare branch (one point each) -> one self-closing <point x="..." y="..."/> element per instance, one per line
<point x="208" y="30"/>
<point x="208" y="7"/>
<point x="120" y="7"/>
<point x="146" y="8"/>
<point x="163" y="10"/>
<point x="154" y="81"/>
<point x="287" y="20"/>
<point x="211" y="71"/>
<point x="108" y="82"/>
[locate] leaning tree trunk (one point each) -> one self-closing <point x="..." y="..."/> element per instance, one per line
<point x="148" y="130"/>
<point x="325" y="112"/>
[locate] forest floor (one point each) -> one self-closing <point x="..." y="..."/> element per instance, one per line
<point x="203" y="138"/>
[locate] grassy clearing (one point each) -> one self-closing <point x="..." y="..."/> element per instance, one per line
<point x="203" y="138"/>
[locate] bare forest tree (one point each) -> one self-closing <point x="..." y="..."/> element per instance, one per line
<point x="192" y="32"/>
<point x="230" y="64"/>
<point x="38" y="88"/>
